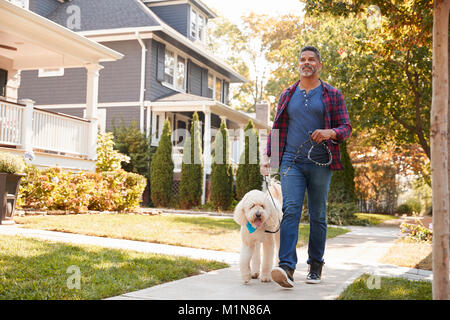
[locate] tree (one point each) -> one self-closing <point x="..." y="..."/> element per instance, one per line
<point x="342" y="185"/>
<point x="248" y="176"/>
<point x="242" y="47"/>
<point x="398" y="73"/>
<point x="191" y="183"/>
<point x="221" y="170"/>
<point x="161" y="169"/>
<point x="133" y="143"/>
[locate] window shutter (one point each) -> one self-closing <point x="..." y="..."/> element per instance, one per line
<point x="204" y="82"/>
<point x="161" y="56"/>
<point x="3" y="81"/>
<point x="189" y="76"/>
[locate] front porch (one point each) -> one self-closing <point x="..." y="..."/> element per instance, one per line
<point x="179" y="108"/>
<point x="45" y="138"/>
<point x="31" y="42"/>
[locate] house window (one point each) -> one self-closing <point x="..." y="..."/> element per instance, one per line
<point x="181" y="74"/>
<point x="57" y="72"/>
<point x="198" y="25"/>
<point x="174" y="71"/>
<point x="193" y="23"/>
<point x="219" y="90"/>
<point x="169" y="67"/>
<point x="157" y="127"/>
<point x="3" y="82"/>
<point x="210" y="85"/>
<point x="201" y="28"/>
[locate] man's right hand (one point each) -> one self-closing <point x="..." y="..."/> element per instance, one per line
<point x="264" y="167"/>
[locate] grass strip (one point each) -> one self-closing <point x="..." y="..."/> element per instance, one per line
<point x="44" y="270"/>
<point x="366" y="287"/>
<point x="221" y="234"/>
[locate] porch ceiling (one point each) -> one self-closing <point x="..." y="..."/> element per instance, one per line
<point x="33" y="42"/>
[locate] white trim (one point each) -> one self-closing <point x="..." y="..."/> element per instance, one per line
<point x="55" y="72"/>
<point x="100" y="105"/>
<point x="164" y="3"/>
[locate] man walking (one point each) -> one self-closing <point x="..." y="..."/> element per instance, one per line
<point x="309" y="105"/>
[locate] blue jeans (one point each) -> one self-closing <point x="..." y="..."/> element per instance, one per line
<point x="315" y="180"/>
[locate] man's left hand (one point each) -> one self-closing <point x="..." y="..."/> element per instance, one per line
<point x="323" y="134"/>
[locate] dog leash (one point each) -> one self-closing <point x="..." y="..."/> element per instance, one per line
<point x="273" y="201"/>
<point x="323" y="144"/>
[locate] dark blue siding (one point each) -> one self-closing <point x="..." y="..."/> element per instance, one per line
<point x="43" y="7"/>
<point x="156" y="89"/>
<point x="176" y="16"/>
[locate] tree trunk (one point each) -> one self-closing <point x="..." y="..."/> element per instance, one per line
<point x="439" y="151"/>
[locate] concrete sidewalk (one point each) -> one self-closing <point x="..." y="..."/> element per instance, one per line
<point x="346" y="258"/>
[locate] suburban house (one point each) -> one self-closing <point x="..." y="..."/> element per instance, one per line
<point x="166" y="71"/>
<point x="29" y="41"/>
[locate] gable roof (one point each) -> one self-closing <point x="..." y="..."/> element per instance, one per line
<point x="104" y="14"/>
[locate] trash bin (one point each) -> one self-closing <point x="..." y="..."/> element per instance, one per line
<point x="9" y="190"/>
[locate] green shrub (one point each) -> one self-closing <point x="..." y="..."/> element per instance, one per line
<point x="339" y="214"/>
<point x="108" y="159"/>
<point x="410" y="207"/>
<point x="342" y="185"/>
<point x="221" y="171"/>
<point x="191" y="181"/>
<point x="57" y="189"/>
<point x="248" y="176"/>
<point x="161" y="169"/>
<point x="10" y="163"/>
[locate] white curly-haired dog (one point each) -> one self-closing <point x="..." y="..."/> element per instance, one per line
<point x="257" y="213"/>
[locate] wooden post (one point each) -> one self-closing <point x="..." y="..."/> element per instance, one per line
<point x="439" y="151"/>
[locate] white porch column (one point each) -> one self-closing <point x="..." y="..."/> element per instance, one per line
<point x="27" y="125"/>
<point x="207" y="150"/>
<point x="91" y="108"/>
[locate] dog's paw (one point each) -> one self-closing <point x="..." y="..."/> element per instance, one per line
<point x="265" y="278"/>
<point x="246" y="278"/>
<point x="255" y="275"/>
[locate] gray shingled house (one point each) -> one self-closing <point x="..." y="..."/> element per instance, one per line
<point x="166" y="71"/>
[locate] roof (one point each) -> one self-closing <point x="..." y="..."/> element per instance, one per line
<point x="41" y="43"/>
<point x="128" y="16"/>
<point x="103" y="14"/>
<point x="179" y="96"/>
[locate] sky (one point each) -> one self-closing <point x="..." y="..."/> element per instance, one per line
<point x="234" y="9"/>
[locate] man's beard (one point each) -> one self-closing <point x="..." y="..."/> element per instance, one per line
<point x="308" y="71"/>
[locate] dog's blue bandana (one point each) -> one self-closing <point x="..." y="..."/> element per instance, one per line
<point x="250" y="228"/>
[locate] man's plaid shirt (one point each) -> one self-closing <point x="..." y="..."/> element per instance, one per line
<point x="335" y="116"/>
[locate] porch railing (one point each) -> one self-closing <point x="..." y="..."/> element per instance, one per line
<point x="11" y="116"/>
<point x="59" y="133"/>
<point x="21" y="3"/>
<point x="31" y="128"/>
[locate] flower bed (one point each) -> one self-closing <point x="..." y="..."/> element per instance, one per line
<point x="57" y="189"/>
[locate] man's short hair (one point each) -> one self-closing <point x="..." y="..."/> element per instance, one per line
<point x="313" y="49"/>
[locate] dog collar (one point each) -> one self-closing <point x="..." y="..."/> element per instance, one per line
<point x="250" y="228"/>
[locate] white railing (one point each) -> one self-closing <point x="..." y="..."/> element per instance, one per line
<point x="11" y="116"/>
<point x="60" y="133"/>
<point x="31" y="128"/>
<point x="21" y="3"/>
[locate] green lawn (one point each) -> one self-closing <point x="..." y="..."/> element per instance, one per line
<point x="197" y="232"/>
<point x="364" y="288"/>
<point x="39" y="270"/>
<point x="374" y="218"/>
